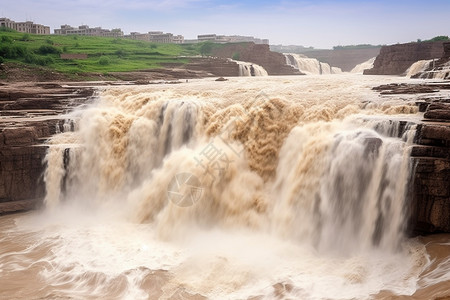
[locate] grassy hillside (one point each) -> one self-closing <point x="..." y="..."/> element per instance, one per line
<point x="104" y="54"/>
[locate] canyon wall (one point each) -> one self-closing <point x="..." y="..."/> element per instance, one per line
<point x="396" y="59"/>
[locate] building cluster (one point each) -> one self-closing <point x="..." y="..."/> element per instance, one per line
<point x="86" y="30"/>
<point x="151" y="36"/>
<point x="26" y="27"/>
<point x="157" y="37"/>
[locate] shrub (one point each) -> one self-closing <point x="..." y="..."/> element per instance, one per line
<point x="48" y="49"/>
<point x="38" y="60"/>
<point x="236" y="56"/>
<point x="153" y="46"/>
<point x="6" y="39"/>
<point x="25" y="37"/>
<point x="2" y="60"/>
<point x="6" y="51"/>
<point x="49" y="41"/>
<point x="65" y="49"/>
<point x="16" y="51"/>
<point x="104" y="61"/>
<point x="440" y="38"/>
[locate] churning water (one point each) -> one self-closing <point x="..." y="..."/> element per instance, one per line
<point x="269" y="187"/>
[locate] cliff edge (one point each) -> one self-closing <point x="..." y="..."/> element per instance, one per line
<point x="396" y="59"/>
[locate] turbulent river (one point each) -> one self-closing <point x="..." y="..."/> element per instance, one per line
<point x="253" y="188"/>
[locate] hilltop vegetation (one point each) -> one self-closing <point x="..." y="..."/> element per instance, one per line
<point x="104" y="54"/>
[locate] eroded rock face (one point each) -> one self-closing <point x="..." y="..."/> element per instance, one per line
<point x="430" y="191"/>
<point x="396" y="59"/>
<point x="431" y="201"/>
<point x="29" y="115"/>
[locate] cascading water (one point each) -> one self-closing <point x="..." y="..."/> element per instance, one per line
<point x="250" y="69"/>
<point x="231" y="191"/>
<point x="427" y="69"/>
<point x="418" y="67"/>
<point x="310" y="65"/>
<point x="359" y="69"/>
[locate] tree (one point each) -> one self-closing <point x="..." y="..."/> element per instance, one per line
<point x="440" y="38"/>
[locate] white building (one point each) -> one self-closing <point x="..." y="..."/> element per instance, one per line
<point x="26" y="27"/>
<point x="86" y="30"/>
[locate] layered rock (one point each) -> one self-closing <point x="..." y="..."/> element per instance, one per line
<point x="396" y="59"/>
<point x="430" y="192"/>
<point x="274" y="63"/>
<point x="29" y="115"/>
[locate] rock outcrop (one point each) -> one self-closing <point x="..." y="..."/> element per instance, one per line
<point x="396" y="59"/>
<point x="430" y="191"/>
<point x="431" y="200"/>
<point x="29" y="115"/>
<point x="273" y="62"/>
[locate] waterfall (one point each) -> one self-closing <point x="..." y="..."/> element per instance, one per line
<point x="418" y="67"/>
<point x="132" y="144"/>
<point x="310" y="65"/>
<point x="250" y="69"/>
<point x="359" y="69"/>
<point x="426" y="69"/>
<point x="276" y="176"/>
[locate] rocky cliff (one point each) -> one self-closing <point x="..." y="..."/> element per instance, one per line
<point x="273" y="62"/>
<point x="430" y="190"/>
<point x="29" y="115"/>
<point x="396" y="59"/>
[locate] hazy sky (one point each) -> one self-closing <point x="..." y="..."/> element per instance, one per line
<point x="321" y="23"/>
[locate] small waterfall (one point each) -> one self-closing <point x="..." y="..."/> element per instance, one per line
<point x="362" y="193"/>
<point x="250" y="69"/>
<point x="310" y="65"/>
<point x="418" y="67"/>
<point x="359" y="69"/>
<point x="423" y="70"/>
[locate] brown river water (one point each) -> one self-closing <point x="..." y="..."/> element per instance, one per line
<point x="254" y="188"/>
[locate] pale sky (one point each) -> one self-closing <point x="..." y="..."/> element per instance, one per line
<point x="321" y="24"/>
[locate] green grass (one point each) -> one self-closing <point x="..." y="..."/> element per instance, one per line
<point x="104" y="54"/>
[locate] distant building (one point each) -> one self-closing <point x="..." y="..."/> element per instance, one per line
<point x="207" y="37"/>
<point x="230" y="39"/>
<point x="138" y="36"/>
<point x="178" y="39"/>
<point x="86" y="30"/>
<point x="157" y="37"/>
<point x="26" y="27"/>
<point x="165" y="38"/>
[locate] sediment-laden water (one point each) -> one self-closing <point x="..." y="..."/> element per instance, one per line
<point x="269" y="187"/>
